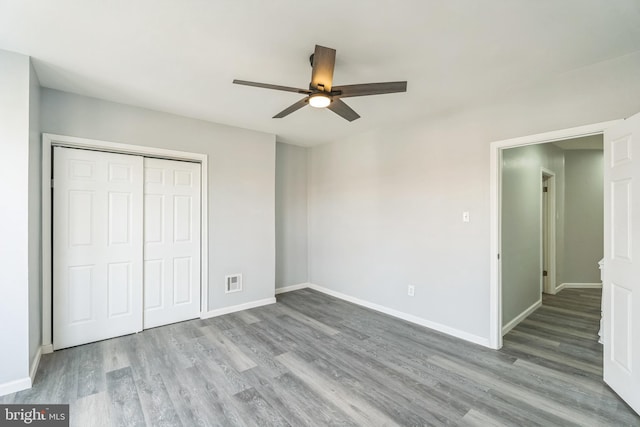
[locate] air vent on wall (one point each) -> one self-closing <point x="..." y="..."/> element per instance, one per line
<point x="233" y="283"/>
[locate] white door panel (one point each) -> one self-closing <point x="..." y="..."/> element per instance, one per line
<point x="97" y="246"/>
<point x="171" y="241"/>
<point x="621" y="273"/>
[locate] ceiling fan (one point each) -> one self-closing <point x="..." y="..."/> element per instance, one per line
<point x="322" y="93"/>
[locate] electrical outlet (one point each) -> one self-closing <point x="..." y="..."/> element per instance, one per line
<point x="411" y="290"/>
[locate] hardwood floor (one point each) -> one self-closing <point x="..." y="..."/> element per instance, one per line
<point x="313" y="360"/>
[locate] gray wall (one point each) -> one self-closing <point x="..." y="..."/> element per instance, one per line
<point x="241" y="181"/>
<point x="291" y="215"/>
<point x="385" y="207"/>
<point x="584" y="216"/>
<point x="521" y="220"/>
<point x="385" y="212"/>
<point x="14" y="216"/>
<point x="35" y="218"/>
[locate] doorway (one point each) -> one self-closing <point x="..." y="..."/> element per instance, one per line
<point x="548" y="230"/>
<point x="529" y="222"/>
<point x="496" y="185"/>
<point x="619" y="269"/>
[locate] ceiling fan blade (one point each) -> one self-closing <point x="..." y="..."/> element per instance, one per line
<point x="290" y="109"/>
<point x="343" y="110"/>
<point x="324" y="61"/>
<point x="270" y="86"/>
<point x="370" y="89"/>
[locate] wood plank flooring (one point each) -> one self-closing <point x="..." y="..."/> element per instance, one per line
<point x="313" y="360"/>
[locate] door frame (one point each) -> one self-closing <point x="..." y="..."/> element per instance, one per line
<point x="48" y="142"/>
<point x="495" y="203"/>
<point x="550" y="230"/>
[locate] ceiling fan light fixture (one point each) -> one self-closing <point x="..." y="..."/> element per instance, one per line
<point x="319" y="100"/>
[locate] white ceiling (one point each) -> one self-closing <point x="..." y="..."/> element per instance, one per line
<point x="180" y="56"/>
<point x="591" y="142"/>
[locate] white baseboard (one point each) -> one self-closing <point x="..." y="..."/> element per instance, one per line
<point x="46" y="349"/>
<point x="520" y="317"/>
<point x="239" y="307"/>
<point x="405" y="316"/>
<point x="34" y="366"/>
<point x="291" y="288"/>
<point x="578" y="286"/>
<point x="23" y="383"/>
<point x="13" y="386"/>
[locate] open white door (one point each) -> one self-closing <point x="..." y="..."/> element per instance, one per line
<point x="621" y="273"/>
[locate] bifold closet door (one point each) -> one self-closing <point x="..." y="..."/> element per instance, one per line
<point x="97" y="246"/>
<point x="171" y="241"/>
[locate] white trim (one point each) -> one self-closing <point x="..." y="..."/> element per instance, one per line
<point x="47" y="240"/>
<point x="46" y="349"/>
<point x="23" y="383"/>
<point x="495" y="162"/>
<point x="520" y="317"/>
<point x="578" y="286"/>
<point x="204" y="234"/>
<point x="291" y="288"/>
<point x="556" y="135"/>
<point x="404" y="316"/>
<point x="34" y="365"/>
<point x="14" y="386"/>
<point x="495" y="261"/>
<point x="50" y="140"/>
<point x="239" y="307"/>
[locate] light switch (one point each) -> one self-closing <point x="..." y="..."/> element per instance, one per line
<point x="465" y="216"/>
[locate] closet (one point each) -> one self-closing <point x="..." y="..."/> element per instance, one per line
<point x="126" y="244"/>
